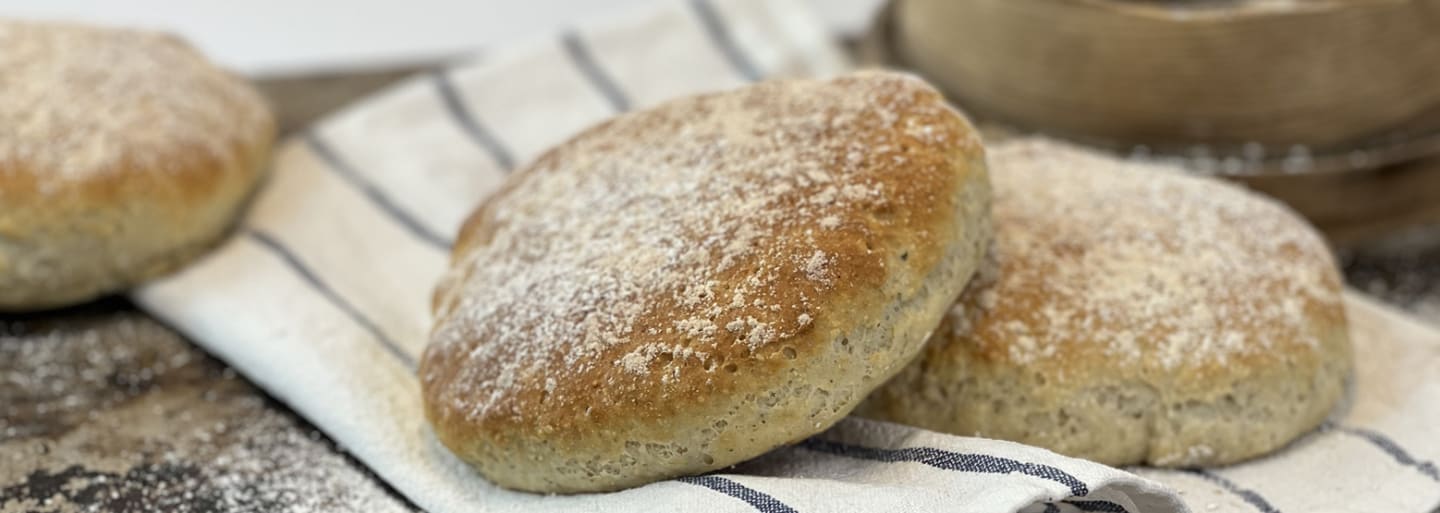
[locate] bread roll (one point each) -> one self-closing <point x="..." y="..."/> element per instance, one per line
<point x="680" y="289"/>
<point x="1128" y="313"/>
<point x="123" y="154"/>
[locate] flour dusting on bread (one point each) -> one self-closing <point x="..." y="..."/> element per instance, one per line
<point x="79" y="101"/>
<point x="1151" y="263"/>
<point x="659" y="204"/>
<point x="680" y="289"/>
<point x="667" y="212"/>
<point x="123" y="155"/>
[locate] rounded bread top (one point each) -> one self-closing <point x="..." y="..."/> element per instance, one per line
<point x="94" y="114"/>
<point x="684" y="256"/>
<point x="1101" y="266"/>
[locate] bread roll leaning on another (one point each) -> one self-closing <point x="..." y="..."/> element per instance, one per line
<point x="1131" y="314"/>
<point x="123" y="155"/>
<point x="683" y="288"/>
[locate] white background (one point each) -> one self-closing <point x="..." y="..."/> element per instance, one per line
<point x="271" y="37"/>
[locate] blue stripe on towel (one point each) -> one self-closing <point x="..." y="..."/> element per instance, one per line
<point x="585" y="61"/>
<point x="725" y="40"/>
<point x="478" y="132"/>
<point x="1249" y="496"/>
<point x="761" y="501"/>
<point x="348" y="173"/>
<point x="942" y="459"/>
<point x="1400" y="455"/>
<point x="314" y="281"/>
<point x="1099" y="506"/>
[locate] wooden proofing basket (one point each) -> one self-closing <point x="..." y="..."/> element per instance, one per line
<point x="1327" y="74"/>
<point x="1331" y="105"/>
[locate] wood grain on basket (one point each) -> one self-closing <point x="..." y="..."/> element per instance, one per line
<point x="1331" y="75"/>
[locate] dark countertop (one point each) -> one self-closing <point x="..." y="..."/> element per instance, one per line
<point x="103" y="408"/>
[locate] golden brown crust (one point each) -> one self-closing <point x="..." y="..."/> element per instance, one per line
<point x="742" y="236"/>
<point x="1130" y="314"/>
<point x="126" y="152"/>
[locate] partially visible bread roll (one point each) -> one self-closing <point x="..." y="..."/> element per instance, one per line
<point x="680" y="289"/>
<point x="122" y="155"/>
<point x="1129" y="314"/>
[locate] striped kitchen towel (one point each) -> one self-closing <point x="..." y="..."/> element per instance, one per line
<point x="322" y="298"/>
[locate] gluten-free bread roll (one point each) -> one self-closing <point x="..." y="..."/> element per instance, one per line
<point x="1128" y="313"/>
<point x="123" y="154"/>
<point x="686" y="287"/>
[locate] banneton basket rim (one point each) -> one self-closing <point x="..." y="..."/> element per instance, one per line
<point x="1225" y="10"/>
<point x="877" y="48"/>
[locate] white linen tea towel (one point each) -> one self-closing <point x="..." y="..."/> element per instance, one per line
<point x="322" y="296"/>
